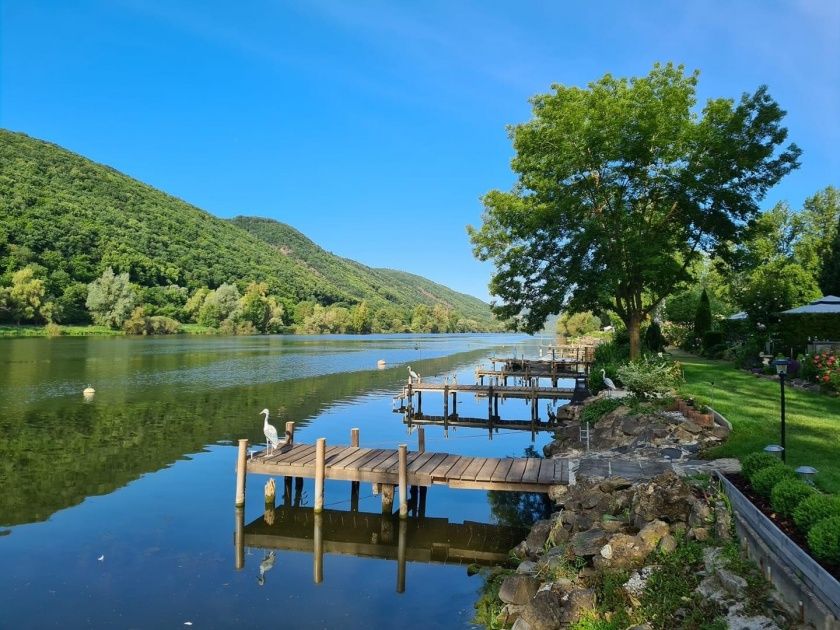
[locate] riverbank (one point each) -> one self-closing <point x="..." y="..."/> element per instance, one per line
<point x="55" y="330"/>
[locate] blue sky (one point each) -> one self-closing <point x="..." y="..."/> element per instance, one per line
<point x="374" y="127"/>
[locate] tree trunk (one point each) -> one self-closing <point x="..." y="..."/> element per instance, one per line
<point x="634" y="325"/>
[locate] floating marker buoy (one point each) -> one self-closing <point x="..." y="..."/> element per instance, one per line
<point x="88" y="391"/>
<point x="380" y="364"/>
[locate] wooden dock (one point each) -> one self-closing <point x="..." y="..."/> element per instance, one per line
<point x="381" y="466"/>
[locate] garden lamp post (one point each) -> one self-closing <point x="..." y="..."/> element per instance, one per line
<point x="781" y="370"/>
<point x="807" y="474"/>
<point x="775" y="450"/>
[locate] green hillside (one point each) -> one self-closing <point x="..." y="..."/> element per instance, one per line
<point x="67" y="219"/>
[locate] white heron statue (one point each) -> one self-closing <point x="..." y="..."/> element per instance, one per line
<point x="271" y="438"/>
<point x="412" y="375"/>
<point x="608" y="382"/>
<point x="266" y="565"/>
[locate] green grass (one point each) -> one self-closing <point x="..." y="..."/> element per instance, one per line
<point x="751" y="404"/>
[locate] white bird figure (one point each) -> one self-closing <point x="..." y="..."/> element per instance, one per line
<point x="270" y="433"/>
<point x="266" y="565"/>
<point x="550" y="413"/>
<point x="412" y="375"/>
<point x="608" y="381"/>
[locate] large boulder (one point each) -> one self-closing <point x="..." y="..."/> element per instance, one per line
<point x="577" y="602"/>
<point x="543" y="612"/>
<point x="588" y="543"/>
<point x="535" y="543"/>
<point x="621" y="552"/>
<point x="518" y="589"/>
<point x="650" y="535"/>
<point x="666" y="497"/>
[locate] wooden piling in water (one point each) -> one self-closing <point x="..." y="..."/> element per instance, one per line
<point x="318" y="555"/>
<point x="320" y="464"/>
<point x="290" y="433"/>
<point x="239" y="538"/>
<point x="270" y="493"/>
<point x="241" y="462"/>
<point x="387" y="491"/>
<point x="402" y="544"/>
<point x="421" y="440"/>
<point x="287" y="491"/>
<point x="354" y="437"/>
<point x="354" y="485"/>
<point x="403" y="478"/>
<point x="445" y="401"/>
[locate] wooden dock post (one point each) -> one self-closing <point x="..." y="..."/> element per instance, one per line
<point x="421" y="507"/>
<point x="320" y="464"/>
<point x="290" y="433"/>
<point x="287" y="491"/>
<point x="421" y="440"/>
<point x="455" y="404"/>
<point x="490" y="401"/>
<point x="298" y="491"/>
<point x="420" y="403"/>
<point x="445" y="401"/>
<point x="318" y="555"/>
<point x="402" y="544"/>
<point x="354" y="485"/>
<point x="241" y="463"/>
<point x="387" y="491"/>
<point x="403" y="478"/>
<point x="239" y="538"/>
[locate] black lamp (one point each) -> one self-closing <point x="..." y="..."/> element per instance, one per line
<point x="781" y="369"/>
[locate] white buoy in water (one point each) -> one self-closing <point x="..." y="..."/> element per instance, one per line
<point x="88" y="391"/>
<point x="380" y="364"/>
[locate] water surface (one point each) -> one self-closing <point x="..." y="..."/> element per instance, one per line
<point x="118" y="511"/>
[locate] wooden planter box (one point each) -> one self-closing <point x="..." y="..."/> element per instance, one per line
<point x="805" y="586"/>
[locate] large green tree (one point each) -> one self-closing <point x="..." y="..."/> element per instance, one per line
<point x="111" y="298"/>
<point x="620" y="186"/>
<point x="830" y="274"/>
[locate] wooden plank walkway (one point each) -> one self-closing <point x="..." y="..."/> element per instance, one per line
<point x="377" y="465"/>
<point x="501" y="391"/>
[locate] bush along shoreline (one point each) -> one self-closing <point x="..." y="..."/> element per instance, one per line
<point x="648" y="549"/>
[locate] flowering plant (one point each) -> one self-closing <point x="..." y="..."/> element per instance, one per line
<point x="824" y="369"/>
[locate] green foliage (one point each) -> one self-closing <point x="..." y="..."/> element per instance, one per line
<point x="650" y="377"/>
<point x="788" y="494"/>
<point x="824" y="540"/>
<point x="814" y="509"/>
<point x="654" y="339"/>
<point x="829" y="278"/>
<point x="74" y="219"/>
<point x="608" y="357"/>
<point x="577" y="324"/>
<point x="764" y="480"/>
<point x="52" y="330"/>
<point x="752" y="463"/>
<point x="703" y="316"/>
<point x="110" y="299"/>
<point x="141" y="324"/>
<point x="619" y="185"/>
<point x="594" y="411"/>
<point x="775" y="287"/>
<point x="489" y="606"/>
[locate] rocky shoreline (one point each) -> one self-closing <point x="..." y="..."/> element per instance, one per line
<point x="611" y="535"/>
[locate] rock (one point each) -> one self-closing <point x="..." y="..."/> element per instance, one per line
<point x="668" y="544"/>
<point x="712" y="559"/>
<point x="631" y="426"/>
<point x="691" y="427"/>
<point x="520" y="551"/>
<point x="734" y="584"/>
<point x="588" y="543"/>
<point x="543" y="612"/>
<point x="723" y="521"/>
<point x="621" y="552"/>
<point x="652" y="533"/>
<point x="699" y="533"/>
<point x="671" y="453"/>
<point x="614" y="483"/>
<point x="665" y="497"/>
<point x="535" y="543"/>
<point x="518" y="589"/>
<point x="635" y="586"/>
<point x="700" y="515"/>
<point x="510" y="613"/>
<point x="521" y="624"/>
<point x="527" y="567"/>
<point x="557" y="493"/>
<point x="577" y="602"/>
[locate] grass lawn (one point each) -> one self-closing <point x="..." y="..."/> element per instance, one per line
<point x="751" y="404"/>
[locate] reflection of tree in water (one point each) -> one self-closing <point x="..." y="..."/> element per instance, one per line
<point x="519" y="509"/>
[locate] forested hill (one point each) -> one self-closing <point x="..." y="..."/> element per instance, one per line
<point x="67" y="219"/>
<point x="358" y="281"/>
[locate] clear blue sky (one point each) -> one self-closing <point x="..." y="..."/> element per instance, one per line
<point x="374" y="127"/>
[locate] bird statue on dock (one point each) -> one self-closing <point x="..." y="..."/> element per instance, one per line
<point x="608" y="382"/>
<point x="266" y="565"/>
<point x="271" y="438"/>
<point x="412" y="375"/>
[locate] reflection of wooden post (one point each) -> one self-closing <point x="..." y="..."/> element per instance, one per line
<point x="290" y="433"/>
<point x="490" y="402"/>
<point x="241" y="463"/>
<point x="320" y="464"/>
<point x="298" y="491"/>
<point x="354" y="437"/>
<point x="318" y="555"/>
<point x="421" y="508"/>
<point x="270" y="501"/>
<point x="239" y="538"/>
<point x="445" y="401"/>
<point x="403" y="456"/>
<point x="354" y="496"/>
<point x="420" y="403"/>
<point x="287" y="491"/>
<point x="401" y="548"/>
<point x="387" y="490"/>
<point x="455" y="404"/>
<point x="421" y="440"/>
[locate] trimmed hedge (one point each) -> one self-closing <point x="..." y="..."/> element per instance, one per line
<point x="824" y="540"/>
<point x="814" y="509"/>
<point x="764" y="480"/>
<point x="754" y="462"/>
<point x="788" y="494"/>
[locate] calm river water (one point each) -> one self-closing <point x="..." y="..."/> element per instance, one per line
<point x="118" y="511"/>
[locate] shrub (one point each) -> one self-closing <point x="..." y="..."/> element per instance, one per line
<point x="650" y="377"/>
<point x="788" y="494"/>
<point x="53" y="330"/>
<point x="595" y="411"/>
<point x="654" y="340"/>
<point x="160" y="325"/>
<point x="754" y="462"/>
<point x="824" y="540"/>
<point x="712" y="338"/>
<point x="814" y="509"/>
<point x="764" y="480"/>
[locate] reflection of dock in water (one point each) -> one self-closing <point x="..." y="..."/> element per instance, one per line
<point x="491" y="425"/>
<point x="369" y="535"/>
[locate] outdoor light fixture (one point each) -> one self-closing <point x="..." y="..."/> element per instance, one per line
<point x="807" y="474"/>
<point x="781" y="370"/>
<point x="775" y="449"/>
